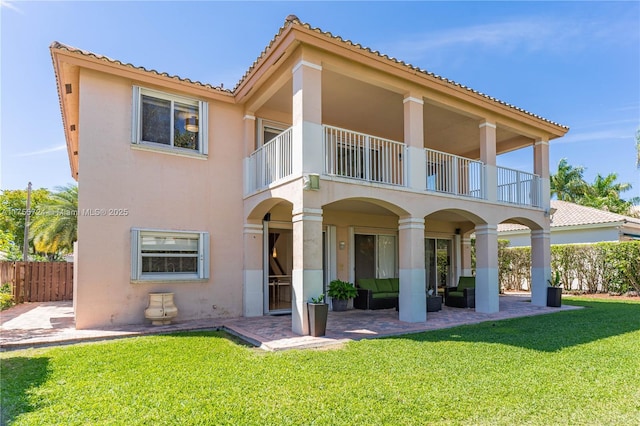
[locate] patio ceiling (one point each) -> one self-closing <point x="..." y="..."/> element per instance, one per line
<point x="356" y="105"/>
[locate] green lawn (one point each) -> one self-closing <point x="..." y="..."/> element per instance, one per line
<point x="574" y="367"/>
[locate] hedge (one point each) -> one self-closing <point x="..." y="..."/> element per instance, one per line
<point x="611" y="267"/>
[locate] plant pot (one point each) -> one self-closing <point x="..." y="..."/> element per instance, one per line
<point x="339" y="305"/>
<point x="161" y="309"/>
<point x="317" y="313"/>
<point x="554" y="297"/>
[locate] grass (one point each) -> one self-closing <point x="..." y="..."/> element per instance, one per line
<point x="572" y="367"/>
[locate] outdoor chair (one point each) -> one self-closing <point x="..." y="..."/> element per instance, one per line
<point x="463" y="295"/>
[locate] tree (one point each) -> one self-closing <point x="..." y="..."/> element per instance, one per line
<point x="568" y="184"/>
<point x="55" y="229"/>
<point x="604" y="194"/>
<point x="13" y="207"/>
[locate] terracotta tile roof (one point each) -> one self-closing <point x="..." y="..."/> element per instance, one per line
<point x="570" y="214"/>
<point x="293" y="20"/>
<point x="61" y="46"/>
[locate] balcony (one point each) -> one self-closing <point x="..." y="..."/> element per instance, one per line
<point x="366" y="158"/>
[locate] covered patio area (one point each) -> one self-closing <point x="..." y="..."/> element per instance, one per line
<point x="274" y="332"/>
<point x="52" y="323"/>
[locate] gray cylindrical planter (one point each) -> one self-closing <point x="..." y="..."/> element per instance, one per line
<point x="317" y="313"/>
<point x="554" y="297"/>
<point x="339" y="305"/>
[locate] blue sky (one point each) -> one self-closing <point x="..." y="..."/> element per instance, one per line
<point x="575" y="63"/>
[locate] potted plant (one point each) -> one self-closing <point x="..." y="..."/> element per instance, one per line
<point x="340" y="293"/>
<point x="317" y="311"/>
<point x="554" y="291"/>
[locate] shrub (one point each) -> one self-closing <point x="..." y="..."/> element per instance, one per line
<point x="6" y="298"/>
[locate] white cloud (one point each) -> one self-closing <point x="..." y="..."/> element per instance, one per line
<point x="530" y="34"/>
<point x="603" y="135"/>
<point x="10" y="5"/>
<point x="42" y="151"/>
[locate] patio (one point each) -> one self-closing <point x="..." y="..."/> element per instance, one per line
<point x="45" y="324"/>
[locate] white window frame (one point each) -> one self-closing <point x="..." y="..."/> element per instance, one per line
<point x="136" y="256"/>
<point x="136" y="124"/>
<point x="263" y="124"/>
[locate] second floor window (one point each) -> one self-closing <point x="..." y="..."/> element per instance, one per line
<point x="169" y="121"/>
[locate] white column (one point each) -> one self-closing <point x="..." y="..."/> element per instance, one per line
<point x="249" y="147"/>
<point x="307" y="118"/>
<point x="412" y="299"/>
<point x="541" y="168"/>
<point x="488" y="157"/>
<point x="487" y="289"/>
<point x="540" y="265"/>
<point x="253" y="274"/>
<point x="415" y="163"/>
<point x="307" y="264"/>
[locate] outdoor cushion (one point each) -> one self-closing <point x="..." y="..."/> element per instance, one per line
<point x="395" y="284"/>
<point x="466" y="282"/>
<point x="383" y="295"/>
<point x="368" y="284"/>
<point x="456" y="293"/>
<point x="383" y="284"/>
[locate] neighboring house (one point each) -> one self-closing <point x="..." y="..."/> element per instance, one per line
<point x="326" y="160"/>
<point x="572" y="223"/>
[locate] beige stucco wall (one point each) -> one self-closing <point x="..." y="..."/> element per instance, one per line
<point x="160" y="191"/>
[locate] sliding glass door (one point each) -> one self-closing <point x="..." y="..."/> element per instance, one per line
<point x="375" y="256"/>
<point x="438" y="265"/>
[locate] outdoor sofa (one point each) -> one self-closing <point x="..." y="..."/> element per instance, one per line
<point x="377" y="293"/>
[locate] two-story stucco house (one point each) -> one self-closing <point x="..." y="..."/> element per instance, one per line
<point x="327" y="160"/>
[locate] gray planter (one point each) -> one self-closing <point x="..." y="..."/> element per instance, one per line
<point x="339" y="305"/>
<point x="317" y="313"/>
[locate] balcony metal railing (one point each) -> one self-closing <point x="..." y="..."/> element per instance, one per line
<point x="364" y="157"/>
<point x="518" y="187"/>
<point x="368" y="158"/>
<point x="271" y="162"/>
<point x="454" y="175"/>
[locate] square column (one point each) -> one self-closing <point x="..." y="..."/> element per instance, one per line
<point x="541" y="168"/>
<point x="249" y="123"/>
<point x="307" y="274"/>
<point x="487" y="288"/>
<point x="413" y="296"/>
<point x="253" y="274"/>
<point x="307" y="118"/>
<point x="415" y="162"/>
<point x="540" y="265"/>
<point x="488" y="157"/>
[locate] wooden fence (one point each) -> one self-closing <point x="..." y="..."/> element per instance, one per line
<point x="38" y="281"/>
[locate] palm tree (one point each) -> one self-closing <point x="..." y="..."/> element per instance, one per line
<point x="604" y="194"/>
<point x="56" y="228"/>
<point x="568" y="184"/>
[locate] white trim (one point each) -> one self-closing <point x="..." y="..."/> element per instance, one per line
<point x="412" y="99"/>
<point x="168" y="150"/>
<point x="411" y="223"/>
<point x="202" y="258"/>
<point x="486" y="230"/>
<point x="310" y="214"/>
<point x="306" y="63"/>
<point x="249" y="117"/>
<point x="487" y="124"/>
<point x="251" y="228"/>
<point x="542" y="142"/>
